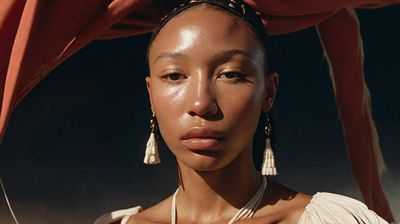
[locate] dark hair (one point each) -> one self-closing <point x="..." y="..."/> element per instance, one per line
<point x="237" y="8"/>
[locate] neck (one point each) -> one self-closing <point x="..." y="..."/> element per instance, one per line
<point x="208" y="196"/>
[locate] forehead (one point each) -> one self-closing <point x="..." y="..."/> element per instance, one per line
<point x="205" y="30"/>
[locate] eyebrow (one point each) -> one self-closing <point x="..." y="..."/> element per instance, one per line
<point x="220" y="56"/>
<point x="174" y="55"/>
<point x="226" y="55"/>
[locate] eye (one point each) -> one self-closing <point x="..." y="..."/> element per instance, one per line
<point x="174" y="76"/>
<point x="233" y="75"/>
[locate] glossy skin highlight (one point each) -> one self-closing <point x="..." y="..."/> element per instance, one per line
<point x="208" y="86"/>
<point x="210" y="81"/>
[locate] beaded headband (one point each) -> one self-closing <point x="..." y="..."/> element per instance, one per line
<point x="238" y="8"/>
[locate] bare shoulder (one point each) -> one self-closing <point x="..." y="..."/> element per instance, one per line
<point x="154" y="214"/>
<point x="283" y="205"/>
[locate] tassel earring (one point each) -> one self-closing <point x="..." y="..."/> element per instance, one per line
<point x="268" y="165"/>
<point x="151" y="155"/>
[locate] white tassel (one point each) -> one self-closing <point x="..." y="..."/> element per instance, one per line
<point x="268" y="166"/>
<point x="151" y="155"/>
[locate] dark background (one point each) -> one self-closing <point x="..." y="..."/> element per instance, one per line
<point x="74" y="146"/>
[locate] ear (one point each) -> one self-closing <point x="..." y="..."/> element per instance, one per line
<point x="271" y="86"/>
<point x="148" y="86"/>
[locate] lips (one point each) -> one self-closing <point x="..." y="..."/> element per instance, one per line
<point x="202" y="139"/>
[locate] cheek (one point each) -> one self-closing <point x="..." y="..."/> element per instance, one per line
<point x="166" y="98"/>
<point x="242" y="108"/>
<point x="168" y="104"/>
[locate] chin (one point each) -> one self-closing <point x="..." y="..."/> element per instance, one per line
<point x="204" y="160"/>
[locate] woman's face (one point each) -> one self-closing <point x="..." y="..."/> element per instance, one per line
<point x="207" y="87"/>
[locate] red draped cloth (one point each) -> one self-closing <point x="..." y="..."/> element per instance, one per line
<point x="37" y="35"/>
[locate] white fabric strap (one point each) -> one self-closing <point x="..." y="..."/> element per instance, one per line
<point x="251" y="207"/>
<point x="173" y="209"/>
<point x="122" y="215"/>
<point x="246" y="212"/>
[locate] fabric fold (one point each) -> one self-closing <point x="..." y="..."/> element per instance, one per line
<point x="333" y="208"/>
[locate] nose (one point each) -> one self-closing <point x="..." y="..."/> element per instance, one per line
<point x="202" y="101"/>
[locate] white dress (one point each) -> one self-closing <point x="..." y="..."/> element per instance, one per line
<point x="324" y="208"/>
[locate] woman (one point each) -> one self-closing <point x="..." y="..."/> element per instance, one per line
<point x="26" y="25"/>
<point x="209" y="83"/>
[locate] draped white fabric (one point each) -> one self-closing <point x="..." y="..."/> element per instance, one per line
<point x="324" y="208"/>
<point x="333" y="208"/>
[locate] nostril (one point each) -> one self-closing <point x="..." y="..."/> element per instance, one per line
<point x="203" y="110"/>
<point x="214" y="109"/>
<point x="192" y="113"/>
